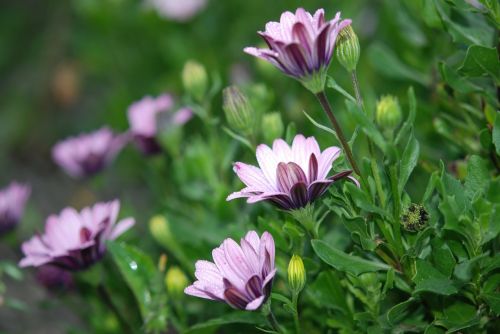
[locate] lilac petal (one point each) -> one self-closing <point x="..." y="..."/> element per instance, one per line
<point x="251" y="256"/>
<point x="236" y="298"/>
<point x="255" y="304"/>
<point x="251" y="176"/>
<point x="236" y="259"/>
<point x="253" y="287"/>
<point x="282" y="151"/>
<point x="296" y="57"/>
<point x="225" y="268"/>
<point x="321" y="48"/>
<point x="299" y="195"/>
<point x="268" y="162"/>
<point x="356" y="182"/>
<point x="182" y="116"/>
<point x="269" y="278"/>
<point x="194" y="291"/>
<point x="281" y="200"/>
<point x="313" y="168"/>
<point x="121" y="227"/>
<point x="326" y="160"/>
<point x="301" y="34"/>
<point x="318" y="188"/>
<point x="319" y="18"/>
<point x="288" y="174"/>
<point x="267" y="252"/>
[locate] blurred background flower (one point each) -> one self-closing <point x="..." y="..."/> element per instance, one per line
<point x="13" y="198"/>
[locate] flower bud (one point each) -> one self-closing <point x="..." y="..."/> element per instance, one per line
<point x="194" y="79"/>
<point x="176" y="282"/>
<point x="296" y="274"/>
<point x="272" y="126"/>
<point x="347" y="48"/>
<point x="238" y="110"/>
<point x="388" y="112"/>
<point x="160" y="230"/>
<point x="415" y="218"/>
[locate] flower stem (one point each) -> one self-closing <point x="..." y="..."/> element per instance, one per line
<point x="295" y="298"/>
<point x="274" y="322"/>
<point x="106" y="299"/>
<point x="323" y="100"/>
<point x="357" y="91"/>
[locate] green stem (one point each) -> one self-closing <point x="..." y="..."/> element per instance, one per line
<point x="106" y="299"/>
<point x="323" y="100"/>
<point x="274" y="322"/>
<point x="357" y="91"/>
<point x="396" y="210"/>
<point x="376" y="175"/>
<point x="295" y="297"/>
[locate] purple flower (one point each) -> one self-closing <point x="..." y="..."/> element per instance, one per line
<point x="144" y="119"/>
<point x="301" y="45"/>
<point x="289" y="177"/>
<point x="88" y="154"/>
<point x="75" y="240"/>
<point x="240" y="275"/>
<point x="178" y="10"/>
<point x="12" y="201"/>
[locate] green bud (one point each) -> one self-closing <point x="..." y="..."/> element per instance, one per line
<point x="195" y="79"/>
<point x="160" y="230"/>
<point x="347" y="48"/>
<point x="272" y="126"/>
<point x="388" y="112"/>
<point x="239" y="112"/>
<point x="176" y="281"/>
<point x="296" y="274"/>
<point x="415" y="218"/>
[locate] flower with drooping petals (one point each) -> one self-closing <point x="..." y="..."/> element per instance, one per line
<point x="241" y="275"/>
<point x="12" y="201"/>
<point x="301" y="45"/>
<point x="289" y="177"/>
<point x="178" y="10"/>
<point x="144" y="118"/>
<point x="88" y="153"/>
<point x="75" y="240"/>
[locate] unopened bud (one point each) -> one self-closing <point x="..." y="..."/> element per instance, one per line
<point x="238" y="110"/>
<point x="388" y="112"/>
<point x="272" y="126"/>
<point x="347" y="48"/>
<point x="415" y="218"/>
<point x="176" y="282"/>
<point x="160" y="230"/>
<point x="296" y="274"/>
<point x="194" y="79"/>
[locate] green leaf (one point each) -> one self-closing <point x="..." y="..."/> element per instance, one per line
<point x="496" y="134"/>
<point x="479" y="61"/>
<point x="331" y="83"/>
<point x="140" y="273"/>
<point x="457" y="82"/>
<point x="429" y="279"/>
<point x="408" y="162"/>
<point x="408" y="124"/>
<point x="362" y="200"/>
<point x="477" y="176"/>
<point x="493" y="301"/>
<point x="319" y="125"/>
<point x="327" y="291"/>
<point x="367" y="125"/>
<point x="387" y="62"/>
<point x="442" y="257"/>
<point x="345" y="262"/>
<point x="240" y="317"/>
<point x="399" y="312"/>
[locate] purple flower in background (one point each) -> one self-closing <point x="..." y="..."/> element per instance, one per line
<point x="75" y="240"/>
<point x="289" y="177"/>
<point x="240" y="275"/>
<point x="145" y="116"/>
<point x="54" y="278"/>
<point x="12" y="201"/>
<point x="88" y="154"/>
<point x="178" y="10"/>
<point x="301" y="45"/>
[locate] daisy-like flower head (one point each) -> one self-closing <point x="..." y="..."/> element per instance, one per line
<point x="301" y="45"/>
<point x="289" y="177"/>
<point x="75" y="240"/>
<point x="144" y="118"/>
<point x="89" y="153"/>
<point x="12" y="202"/>
<point x="241" y="275"/>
